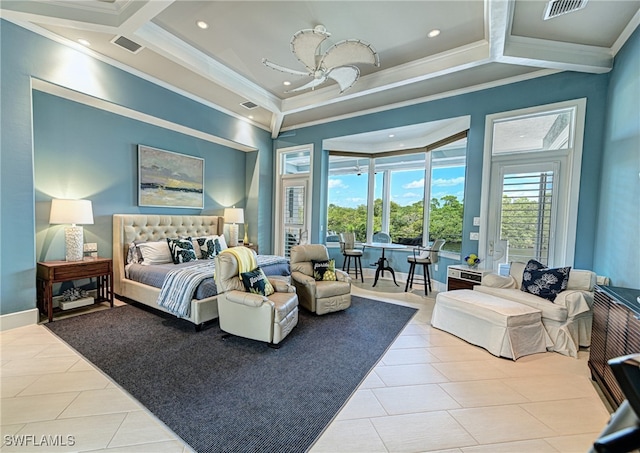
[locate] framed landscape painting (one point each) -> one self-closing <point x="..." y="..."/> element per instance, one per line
<point x="169" y="179"/>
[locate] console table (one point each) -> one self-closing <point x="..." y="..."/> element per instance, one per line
<point x="615" y="332"/>
<point x="460" y="276"/>
<point x="50" y="272"/>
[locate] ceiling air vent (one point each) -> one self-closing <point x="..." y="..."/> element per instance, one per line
<point x="557" y="8"/>
<point x="249" y="105"/>
<point x="127" y="44"/>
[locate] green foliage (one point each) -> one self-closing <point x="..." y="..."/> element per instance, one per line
<point x="405" y="221"/>
<point x="520" y="222"/>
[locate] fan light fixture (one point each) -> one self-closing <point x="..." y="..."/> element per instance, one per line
<point x="336" y="63"/>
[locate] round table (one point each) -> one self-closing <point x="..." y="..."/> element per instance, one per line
<point x="381" y="267"/>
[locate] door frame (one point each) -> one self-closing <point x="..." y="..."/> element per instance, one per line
<point x="278" y="225"/>
<point x="571" y="177"/>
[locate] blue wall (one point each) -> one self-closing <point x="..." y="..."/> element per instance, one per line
<point x="26" y="55"/>
<point x="617" y="247"/>
<point x="33" y="160"/>
<point x="544" y="90"/>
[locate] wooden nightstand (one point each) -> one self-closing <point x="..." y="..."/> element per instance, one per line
<point x="253" y="247"/>
<point x="50" y="272"/>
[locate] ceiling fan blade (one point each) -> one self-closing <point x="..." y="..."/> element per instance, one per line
<point x="304" y="44"/>
<point x="277" y="67"/>
<point x="314" y="83"/>
<point x="346" y="76"/>
<point x="348" y="52"/>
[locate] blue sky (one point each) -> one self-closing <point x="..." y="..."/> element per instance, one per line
<point x="407" y="187"/>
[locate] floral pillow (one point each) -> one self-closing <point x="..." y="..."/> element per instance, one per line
<point x="324" y="270"/>
<point x="257" y="282"/>
<point x="181" y="250"/>
<point x="541" y="281"/>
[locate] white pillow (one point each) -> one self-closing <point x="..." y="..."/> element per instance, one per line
<point x="155" y="253"/>
<point x="223" y="242"/>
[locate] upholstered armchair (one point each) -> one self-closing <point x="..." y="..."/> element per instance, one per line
<point x="250" y="315"/>
<point x="320" y="289"/>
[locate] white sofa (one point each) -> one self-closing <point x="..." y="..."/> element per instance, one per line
<point x="567" y="320"/>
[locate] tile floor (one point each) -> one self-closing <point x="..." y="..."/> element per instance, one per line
<point x="430" y="392"/>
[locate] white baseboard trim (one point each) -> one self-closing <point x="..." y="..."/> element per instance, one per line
<point x="18" y="319"/>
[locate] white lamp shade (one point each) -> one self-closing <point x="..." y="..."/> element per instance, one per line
<point x="71" y="212"/>
<point x="234" y="215"/>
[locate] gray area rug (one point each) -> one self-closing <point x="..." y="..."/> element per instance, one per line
<point x="234" y="394"/>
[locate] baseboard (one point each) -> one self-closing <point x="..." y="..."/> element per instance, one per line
<point x="18" y="319"/>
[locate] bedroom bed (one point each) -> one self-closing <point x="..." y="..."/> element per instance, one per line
<point x="145" y="283"/>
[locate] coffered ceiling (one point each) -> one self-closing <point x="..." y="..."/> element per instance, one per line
<point x="481" y="43"/>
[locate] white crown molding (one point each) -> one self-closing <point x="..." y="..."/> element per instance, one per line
<point x="178" y="51"/>
<point x="434" y="97"/>
<point x="92" y="101"/>
<point x="557" y="55"/>
<point x="626" y="33"/>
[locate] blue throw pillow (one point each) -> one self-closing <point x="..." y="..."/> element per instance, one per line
<point x="182" y="250"/>
<point x="547" y="283"/>
<point x="257" y="282"/>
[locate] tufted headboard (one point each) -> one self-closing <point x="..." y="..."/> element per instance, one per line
<point x="140" y="227"/>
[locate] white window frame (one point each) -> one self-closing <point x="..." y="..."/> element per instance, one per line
<point x="567" y="219"/>
<point x="278" y="227"/>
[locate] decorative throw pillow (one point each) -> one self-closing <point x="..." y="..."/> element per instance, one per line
<point x="257" y="282"/>
<point x="134" y="255"/>
<point x="155" y="253"/>
<point x="547" y="283"/>
<point x="324" y="270"/>
<point x="532" y="265"/>
<point x="205" y="247"/>
<point x="181" y="250"/>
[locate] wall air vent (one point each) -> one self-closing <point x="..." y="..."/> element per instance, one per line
<point x="557" y="8"/>
<point x="249" y="105"/>
<point x="127" y="44"/>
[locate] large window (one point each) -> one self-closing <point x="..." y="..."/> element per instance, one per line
<point x="403" y="184"/>
<point x="532" y="169"/>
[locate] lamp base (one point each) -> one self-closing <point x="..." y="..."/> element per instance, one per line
<point x="74" y="240"/>
<point x="233" y="234"/>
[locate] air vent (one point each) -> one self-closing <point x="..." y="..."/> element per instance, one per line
<point x="249" y="105"/>
<point x="127" y="44"/>
<point x="557" y="8"/>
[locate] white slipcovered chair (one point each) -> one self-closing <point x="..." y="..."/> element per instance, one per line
<point x="319" y="297"/>
<point x="567" y="319"/>
<point x="245" y="314"/>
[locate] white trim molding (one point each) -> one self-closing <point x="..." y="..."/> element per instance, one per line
<point x="18" y="319"/>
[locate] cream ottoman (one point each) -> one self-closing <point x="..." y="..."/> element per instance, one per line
<point x="503" y="327"/>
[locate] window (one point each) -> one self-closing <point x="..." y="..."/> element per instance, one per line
<point x="403" y="184"/>
<point x="530" y="188"/>
<point x="293" y="201"/>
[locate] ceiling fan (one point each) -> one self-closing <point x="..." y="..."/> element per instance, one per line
<point x="336" y="63"/>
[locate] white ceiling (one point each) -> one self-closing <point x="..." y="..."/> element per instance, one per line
<point x="482" y="43"/>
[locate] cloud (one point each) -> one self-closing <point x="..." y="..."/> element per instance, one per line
<point x="419" y="184"/>
<point x="440" y="182"/>
<point x="336" y="183"/>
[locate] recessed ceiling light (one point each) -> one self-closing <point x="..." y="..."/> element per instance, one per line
<point x="250" y="117"/>
<point x="84" y="42"/>
<point x="286" y="83"/>
<point x="433" y="33"/>
<point x="202" y="24"/>
<point x="391" y="135"/>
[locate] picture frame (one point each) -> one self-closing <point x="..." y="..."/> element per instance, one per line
<point x="170" y="180"/>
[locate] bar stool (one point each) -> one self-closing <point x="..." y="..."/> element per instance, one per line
<point x="425" y="257"/>
<point x="347" y="247"/>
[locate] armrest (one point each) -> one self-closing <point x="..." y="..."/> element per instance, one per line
<point x="498" y="281"/>
<point x="280" y="286"/>
<point x="303" y="278"/>
<point x="244" y="298"/>
<point x="342" y="276"/>
<point x="575" y="301"/>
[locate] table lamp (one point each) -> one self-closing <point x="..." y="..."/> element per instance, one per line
<point x="233" y="216"/>
<point x="72" y="212"/>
